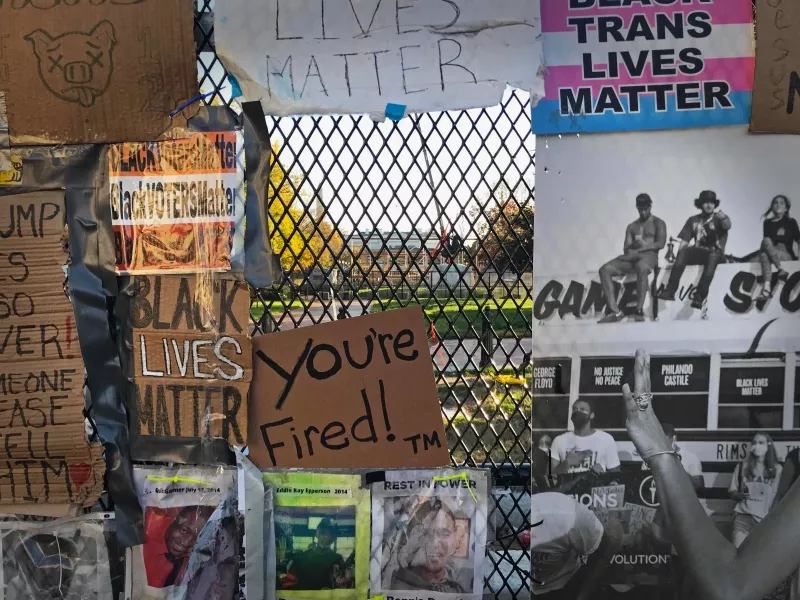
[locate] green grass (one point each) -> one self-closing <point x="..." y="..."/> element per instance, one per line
<point x="488" y="421"/>
<point x="276" y="307"/>
<point x="456" y="318"/>
<point x="453" y="318"/>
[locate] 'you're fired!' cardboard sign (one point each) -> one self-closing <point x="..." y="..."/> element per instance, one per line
<point x="355" y="393"/>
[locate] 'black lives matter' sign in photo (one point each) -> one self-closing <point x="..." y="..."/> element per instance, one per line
<point x="44" y="455"/>
<point x="192" y="356"/>
<point x="350" y="394"/>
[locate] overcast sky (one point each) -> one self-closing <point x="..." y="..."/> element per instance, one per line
<point x="358" y="164"/>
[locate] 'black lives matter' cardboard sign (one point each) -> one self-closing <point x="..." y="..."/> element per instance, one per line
<point x="192" y="357"/>
<point x="95" y="70"/>
<point x="44" y="455"/>
<point x="356" y="393"/>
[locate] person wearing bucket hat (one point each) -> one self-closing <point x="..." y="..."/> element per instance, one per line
<point x="703" y="240"/>
<point x="644" y="238"/>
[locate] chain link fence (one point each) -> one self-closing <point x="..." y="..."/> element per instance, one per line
<point x="435" y="210"/>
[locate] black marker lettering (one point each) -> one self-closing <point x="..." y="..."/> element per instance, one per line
<point x="289" y="377"/>
<point x="332" y="370"/>
<point x="268" y="443"/>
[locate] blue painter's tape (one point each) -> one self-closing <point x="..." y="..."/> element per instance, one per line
<point x="236" y="89"/>
<point x="395" y="112"/>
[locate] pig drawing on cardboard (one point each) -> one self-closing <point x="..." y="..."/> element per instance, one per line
<point x="76" y="66"/>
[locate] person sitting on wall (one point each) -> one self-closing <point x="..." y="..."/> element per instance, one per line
<point x="781" y="238"/>
<point x="709" y="232"/>
<point x="644" y="238"/>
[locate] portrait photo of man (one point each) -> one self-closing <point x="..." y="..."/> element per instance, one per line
<point x="426" y="551"/>
<point x="644" y="239"/>
<point x="167" y="552"/>
<point x="317" y="567"/>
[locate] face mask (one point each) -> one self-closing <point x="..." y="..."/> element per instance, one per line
<point x="580" y="419"/>
<point x="760" y="451"/>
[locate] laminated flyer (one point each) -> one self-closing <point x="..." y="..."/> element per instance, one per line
<point x="321" y="535"/>
<point x="68" y="559"/>
<point x="178" y="206"/>
<point x="429" y="534"/>
<point x="191" y="534"/>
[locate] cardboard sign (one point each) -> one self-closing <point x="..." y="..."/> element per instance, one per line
<point x="777" y="76"/>
<point x="178" y="206"/>
<point x="44" y="456"/>
<point x="95" y="71"/>
<point x="384" y="58"/>
<point x="192" y="357"/>
<point x="621" y="66"/>
<point x="356" y="393"/>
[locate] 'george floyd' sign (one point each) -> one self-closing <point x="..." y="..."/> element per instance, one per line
<point x="356" y="393"/>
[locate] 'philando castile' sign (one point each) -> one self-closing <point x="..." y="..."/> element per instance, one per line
<point x="356" y="393"/>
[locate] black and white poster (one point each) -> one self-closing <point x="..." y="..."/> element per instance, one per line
<point x="65" y="559"/>
<point x="685" y="244"/>
<point x="686" y="239"/>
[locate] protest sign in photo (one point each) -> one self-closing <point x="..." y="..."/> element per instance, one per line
<point x="321" y="523"/>
<point x="621" y="66"/>
<point x="178" y="206"/>
<point x="586" y="510"/>
<point x="356" y="393"/>
<point x="691" y="234"/>
<point x="429" y="534"/>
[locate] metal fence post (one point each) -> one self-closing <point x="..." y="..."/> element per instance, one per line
<point x="487" y="338"/>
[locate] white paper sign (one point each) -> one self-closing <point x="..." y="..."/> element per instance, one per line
<point x="357" y="56"/>
<point x="429" y="534"/>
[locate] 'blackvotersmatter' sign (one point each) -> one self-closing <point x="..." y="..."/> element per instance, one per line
<point x="178" y="206"/>
<point x="619" y="65"/>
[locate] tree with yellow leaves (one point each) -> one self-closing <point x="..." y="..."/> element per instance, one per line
<point x="296" y="238"/>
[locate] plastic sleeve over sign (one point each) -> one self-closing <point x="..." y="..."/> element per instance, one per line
<point x="192" y="534"/>
<point x="221" y="307"/>
<point x="81" y="171"/>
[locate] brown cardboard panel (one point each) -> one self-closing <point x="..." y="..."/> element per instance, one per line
<point x="78" y="480"/>
<point x="170" y="303"/>
<point x="195" y="358"/>
<point x="89" y="71"/>
<point x="44" y="455"/>
<point x="356" y="393"/>
<point x="777" y="78"/>
<point x="48" y="510"/>
<point x="192" y="408"/>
